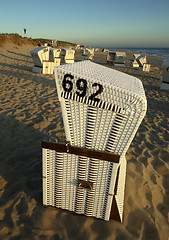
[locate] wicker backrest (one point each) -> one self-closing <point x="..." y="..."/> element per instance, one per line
<point x="102" y="108"/>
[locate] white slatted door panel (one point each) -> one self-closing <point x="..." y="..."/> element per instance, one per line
<point x="60" y="188"/>
<point x="66" y="175"/>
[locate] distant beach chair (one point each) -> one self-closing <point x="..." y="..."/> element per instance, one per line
<point x="44" y="59"/>
<point x="139" y="60"/>
<point x="84" y="54"/>
<point x="111" y="57"/>
<point x="136" y="55"/>
<point x="67" y="55"/>
<point x="39" y="54"/>
<point x="91" y="52"/>
<point x="105" y="50"/>
<point x="146" y="67"/>
<point x="54" y="55"/>
<point x="116" y="59"/>
<point x="120" y="58"/>
<point x="102" y="109"/>
<point x="87" y="53"/>
<point x="165" y="76"/>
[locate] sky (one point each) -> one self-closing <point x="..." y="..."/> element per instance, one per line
<point x="106" y="23"/>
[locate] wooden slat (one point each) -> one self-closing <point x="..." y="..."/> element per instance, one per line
<point x="63" y="147"/>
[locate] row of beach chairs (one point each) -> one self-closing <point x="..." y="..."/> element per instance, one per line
<point x="117" y="59"/>
<point x="45" y="58"/>
<point x="139" y="61"/>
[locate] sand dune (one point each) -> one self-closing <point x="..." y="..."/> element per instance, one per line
<point x="30" y="112"/>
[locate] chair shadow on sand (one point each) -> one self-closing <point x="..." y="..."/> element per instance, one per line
<point x="19" y="54"/>
<point x="21" y="60"/>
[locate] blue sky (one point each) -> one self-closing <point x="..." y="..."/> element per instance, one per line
<point x="106" y="23"/>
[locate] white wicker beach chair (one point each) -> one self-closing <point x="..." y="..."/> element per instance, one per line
<point x="146" y="67"/>
<point x="102" y="109"/>
<point x="67" y="55"/>
<point x="39" y="54"/>
<point x="117" y="59"/>
<point x="87" y="53"/>
<point x="120" y="58"/>
<point x="139" y="60"/>
<point x="45" y="58"/>
<point x="111" y="57"/>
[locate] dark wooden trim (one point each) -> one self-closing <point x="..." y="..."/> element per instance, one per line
<point x="47" y="61"/>
<point x="114" y="214"/>
<point x="37" y="66"/>
<point x="63" y="147"/>
<point x="59" y="147"/>
<point x="165" y="82"/>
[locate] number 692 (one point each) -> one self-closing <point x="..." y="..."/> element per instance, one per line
<point x="81" y="87"/>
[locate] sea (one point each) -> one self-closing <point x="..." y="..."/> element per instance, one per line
<point x="160" y="52"/>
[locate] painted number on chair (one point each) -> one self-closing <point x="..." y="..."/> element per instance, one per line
<point x="81" y="87"/>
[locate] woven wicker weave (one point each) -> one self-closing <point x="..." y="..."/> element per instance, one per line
<point x="62" y="173"/>
<point x="107" y="122"/>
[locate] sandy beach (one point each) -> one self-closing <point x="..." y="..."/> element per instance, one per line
<point x="30" y="112"/>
